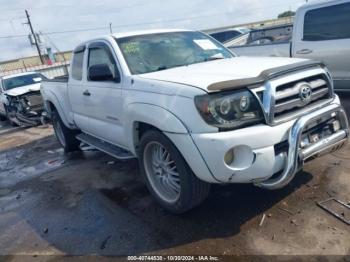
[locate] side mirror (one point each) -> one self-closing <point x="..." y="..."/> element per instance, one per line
<point x="100" y="72"/>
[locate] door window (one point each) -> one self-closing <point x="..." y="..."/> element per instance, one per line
<point x="100" y="56"/>
<point x="327" y="23"/>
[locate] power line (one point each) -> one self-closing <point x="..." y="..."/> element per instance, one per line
<point x="59" y="32"/>
<point x="75" y="30"/>
<point x="64" y="6"/>
<point x="12" y="19"/>
<point x="12" y="36"/>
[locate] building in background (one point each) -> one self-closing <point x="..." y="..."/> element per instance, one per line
<point x="254" y="25"/>
<point x="33" y="61"/>
<point x="56" y="64"/>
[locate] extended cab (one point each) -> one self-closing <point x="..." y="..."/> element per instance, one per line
<point x="193" y="113"/>
<point x="321" y="31"/>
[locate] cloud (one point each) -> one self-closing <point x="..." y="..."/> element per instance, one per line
<point x="50" y="16"/>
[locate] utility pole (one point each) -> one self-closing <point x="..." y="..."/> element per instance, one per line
<point x="35" y="38"/>
<point x="110" y="28"/>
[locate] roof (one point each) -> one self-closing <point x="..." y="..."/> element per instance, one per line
<point x="20" y="74"/>
<point x="128" y="34"/>
<point x="226" y="29"/>
<point x="147" y="32"/>
<point x="320" y="3"/>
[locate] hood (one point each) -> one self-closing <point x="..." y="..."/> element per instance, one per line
<point x="215" y="73"/>
<point x="23" y="90"/>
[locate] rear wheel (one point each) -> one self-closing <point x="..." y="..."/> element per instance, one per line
<point x="168" y="176"/>
<point x="10" y="115"/>
<point x="64" y="135"/>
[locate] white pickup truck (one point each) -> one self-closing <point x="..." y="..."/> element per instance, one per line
<point x="321" y="31"/>
<point x="193" y="113"/>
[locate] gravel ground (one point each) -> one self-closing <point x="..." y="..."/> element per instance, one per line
<point x="87" y="203"/>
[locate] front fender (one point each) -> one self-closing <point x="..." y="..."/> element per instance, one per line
<point x="4" y="100"/>
<point x="153" y="115"/>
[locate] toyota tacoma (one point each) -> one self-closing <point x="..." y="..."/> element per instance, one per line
<point x="195" y="114"/>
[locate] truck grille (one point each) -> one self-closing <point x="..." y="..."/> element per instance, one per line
<point x="295" y="96"/>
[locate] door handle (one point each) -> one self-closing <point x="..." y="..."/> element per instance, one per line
<point x="304" y="51"/>
<point x="87" y="93"/>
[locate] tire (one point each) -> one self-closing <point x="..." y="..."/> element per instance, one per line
<point x="14" y="124"/>
<point x="3" y="118"/>
<point x="65" y="135"/>
<point x="161" y="166"/>
<point x="9" y="118"/>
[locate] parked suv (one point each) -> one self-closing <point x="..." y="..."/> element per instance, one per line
<point x="321" y="31"/>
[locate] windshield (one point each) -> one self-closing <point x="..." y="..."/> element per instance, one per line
<point x="150" y="53"/>
<point x="24" y="80"/>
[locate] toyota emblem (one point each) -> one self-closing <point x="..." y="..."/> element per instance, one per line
<point x="305" y="92"/>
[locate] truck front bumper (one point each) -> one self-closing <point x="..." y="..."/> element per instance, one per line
<point x="254" y="154"/>
<point x="297" y="156"/>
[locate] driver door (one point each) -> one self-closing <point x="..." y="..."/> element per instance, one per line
<point x="105" y="95"/>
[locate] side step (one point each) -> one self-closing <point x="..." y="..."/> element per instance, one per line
<point x="106" y="147"/>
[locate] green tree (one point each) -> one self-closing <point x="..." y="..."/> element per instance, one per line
<point x="286" y="14"/>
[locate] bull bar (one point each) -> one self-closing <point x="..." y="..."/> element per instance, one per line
<point x="296" y="156"/>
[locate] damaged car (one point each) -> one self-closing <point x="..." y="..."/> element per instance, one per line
<point x="20" y="99"/>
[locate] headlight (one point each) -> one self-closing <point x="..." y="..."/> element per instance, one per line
<point x="228" y="111"/>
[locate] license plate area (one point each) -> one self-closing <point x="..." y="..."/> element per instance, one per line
<point x="319" y="129"/>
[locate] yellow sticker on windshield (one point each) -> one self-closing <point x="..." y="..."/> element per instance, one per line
<point x="131" y="48"/>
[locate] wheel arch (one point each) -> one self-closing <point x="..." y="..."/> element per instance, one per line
<point x="51" y="105"/>
<point x="142" y="117"/>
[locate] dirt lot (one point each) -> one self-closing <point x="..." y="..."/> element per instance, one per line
<point x="87" y="203"/>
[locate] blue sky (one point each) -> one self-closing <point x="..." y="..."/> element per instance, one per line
<point x="66" y="15"/>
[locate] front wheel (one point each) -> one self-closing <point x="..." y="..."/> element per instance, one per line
<point x="11" y="115"/>
<point x="3" y="118"/>
<point x="168" y="176"/>
<point x="64" y="135"/>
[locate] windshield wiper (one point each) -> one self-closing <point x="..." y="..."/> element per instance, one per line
<point x="212" y="58"/>
<point x="161" y="68"/>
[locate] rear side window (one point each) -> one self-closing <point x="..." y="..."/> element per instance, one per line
<point x="327" y="23"/>
<point x="77" y="65"/>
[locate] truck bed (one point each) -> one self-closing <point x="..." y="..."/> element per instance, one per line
<point x="57" y="90"/>
<point x="60" y="79"/>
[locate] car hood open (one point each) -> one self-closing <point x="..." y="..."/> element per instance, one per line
<point x="18" y="91"/>
<point x="228" y="73"/>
